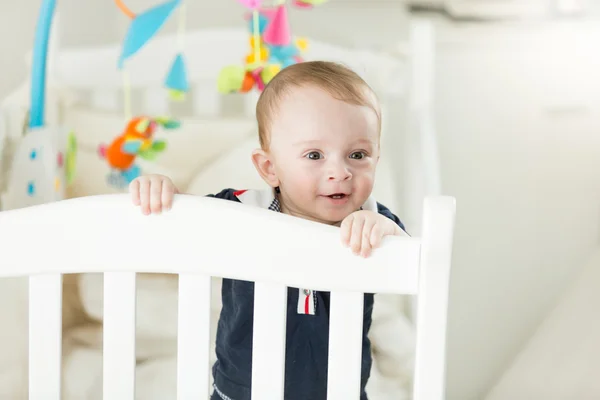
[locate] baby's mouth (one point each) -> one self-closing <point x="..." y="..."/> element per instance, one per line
<point x="338" y="196"/>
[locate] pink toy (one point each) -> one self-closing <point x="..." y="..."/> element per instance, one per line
<point x="278" y="32"/>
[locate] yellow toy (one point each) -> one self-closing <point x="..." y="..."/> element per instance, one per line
<point x="271" y="48"/>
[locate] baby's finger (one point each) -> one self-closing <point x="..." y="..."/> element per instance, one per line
<point x="365" y="248"/>
<point x="145" y="196"/>
<point x="168" y="191"/>
<point x="346" y="229"/>
<point x="134" y="190"/>
<point x="155" y="195"/>
<point x="376" y="236"/>
<point x="356" y="235"/>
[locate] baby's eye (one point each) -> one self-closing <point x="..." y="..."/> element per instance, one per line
<point x="358" y="155"/>
<point x="314" y="155"/>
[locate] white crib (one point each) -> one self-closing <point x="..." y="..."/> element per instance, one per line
<point x="163" y="244"/>
<point x="84" y="93"/>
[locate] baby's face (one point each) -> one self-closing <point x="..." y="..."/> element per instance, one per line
<point x="324" y="154"/>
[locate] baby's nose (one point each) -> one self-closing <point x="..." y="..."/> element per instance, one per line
<point x="339" y="173"/>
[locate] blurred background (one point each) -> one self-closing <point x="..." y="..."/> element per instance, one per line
<point x="495" y="102"/>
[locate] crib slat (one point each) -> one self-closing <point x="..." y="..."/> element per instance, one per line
<point x="156" y="101"/>
<point x="345" y="345"/>
<point x="250" y="100"/>
<point x="205" y="99"/>
<point x="119" y="336"/>
<point x="45" y="337"/>
<point x="268" y="347"/>
<point x="105" y="99"/>
<point x="193" y="337"/>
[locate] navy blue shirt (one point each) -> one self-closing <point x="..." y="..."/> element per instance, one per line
<point x="307" y="339"/>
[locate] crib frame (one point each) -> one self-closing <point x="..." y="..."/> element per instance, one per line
<point x="428" y="275"/>
<point x="72" y="236"/>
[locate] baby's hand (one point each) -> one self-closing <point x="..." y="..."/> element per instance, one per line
<point x="154" y="193"/>
<point x="363" y="231"/>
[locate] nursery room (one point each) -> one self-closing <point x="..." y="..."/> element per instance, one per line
<point x="488" y="153"/>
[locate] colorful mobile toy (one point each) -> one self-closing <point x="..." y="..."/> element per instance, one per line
<point x="177" y="81"/>
<point x="272" y="48"/>
<point x="42" y="167"/>
<point x="43" y="160"/>
<point x="143" y="27"/>
<point x="136" y="141"/>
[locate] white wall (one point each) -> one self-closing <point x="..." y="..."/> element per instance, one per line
<point x="518" y="117"/>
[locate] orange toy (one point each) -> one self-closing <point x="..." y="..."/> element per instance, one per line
<point x="135" y="141"/>
<point x="140" y="131"/>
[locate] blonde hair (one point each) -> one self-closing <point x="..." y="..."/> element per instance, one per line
<point x="339" y="81"/>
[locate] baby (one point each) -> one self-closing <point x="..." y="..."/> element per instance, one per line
<point x="319" y="131"/>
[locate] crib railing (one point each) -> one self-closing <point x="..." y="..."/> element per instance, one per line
<point x="204" y="237"/>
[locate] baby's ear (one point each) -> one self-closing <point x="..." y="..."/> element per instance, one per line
<point x="264" y="165"/>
